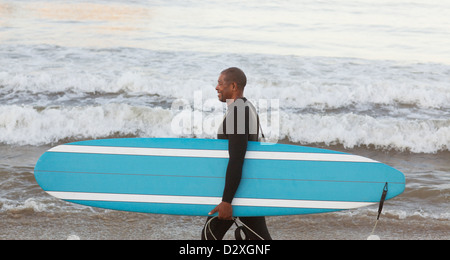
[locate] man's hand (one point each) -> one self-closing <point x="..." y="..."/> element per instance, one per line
<point x="225" y="211"/>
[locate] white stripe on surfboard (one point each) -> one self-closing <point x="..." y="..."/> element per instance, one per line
<point x="279" y="203"/>
<point x="331" y="157"/>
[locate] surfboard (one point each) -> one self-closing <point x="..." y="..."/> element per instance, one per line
<point x="182" y="176"/>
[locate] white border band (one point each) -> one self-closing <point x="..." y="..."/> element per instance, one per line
<point x="330" y="157"/>
<point x="279" y="203"/>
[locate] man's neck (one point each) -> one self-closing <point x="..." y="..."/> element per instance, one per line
<point x="237" y="96"/>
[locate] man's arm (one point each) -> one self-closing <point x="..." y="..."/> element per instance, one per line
<point x="237" y="147"/>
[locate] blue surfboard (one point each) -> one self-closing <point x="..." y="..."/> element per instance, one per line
<point x="186" y="177"/>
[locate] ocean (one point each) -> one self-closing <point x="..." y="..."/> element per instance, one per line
<point x="363" y="77"/>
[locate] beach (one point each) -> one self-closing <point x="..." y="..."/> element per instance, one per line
<point x="372" y="81"/>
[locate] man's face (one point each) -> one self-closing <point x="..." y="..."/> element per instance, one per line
<point x="224" y="89"/>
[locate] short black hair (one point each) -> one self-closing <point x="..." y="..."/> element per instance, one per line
<point x="234" y="74"/>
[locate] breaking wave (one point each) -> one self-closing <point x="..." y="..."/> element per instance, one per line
<point x="27" y="125"/>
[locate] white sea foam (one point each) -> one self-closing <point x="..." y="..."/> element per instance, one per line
<point x="398" y="213"/>
<point x="27" y="205"/>
<point x="301" y="93"/>
<point x="298" y="82"/>
<point x="373" y="237"/>
<point x="27" y="125"/>
<point x="352" y="130"/>
<point x="73" y="237"/>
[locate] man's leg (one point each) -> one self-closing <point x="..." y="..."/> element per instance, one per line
<point x="258" y="226"/>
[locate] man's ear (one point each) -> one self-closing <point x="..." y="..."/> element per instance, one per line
<point x="235" y="87"/>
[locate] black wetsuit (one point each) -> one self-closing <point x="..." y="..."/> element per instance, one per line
<point x="240" y="125"/>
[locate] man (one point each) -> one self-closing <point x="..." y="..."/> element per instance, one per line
<point x="239" y="126"/>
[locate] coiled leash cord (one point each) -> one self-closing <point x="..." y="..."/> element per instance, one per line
<point x="237" y="232"/>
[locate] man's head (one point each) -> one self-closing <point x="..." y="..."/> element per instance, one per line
<point x="231" y="84"/>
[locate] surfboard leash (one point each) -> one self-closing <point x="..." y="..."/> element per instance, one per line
<point x="380" y="206"/>
<point x="237" y="232"/>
